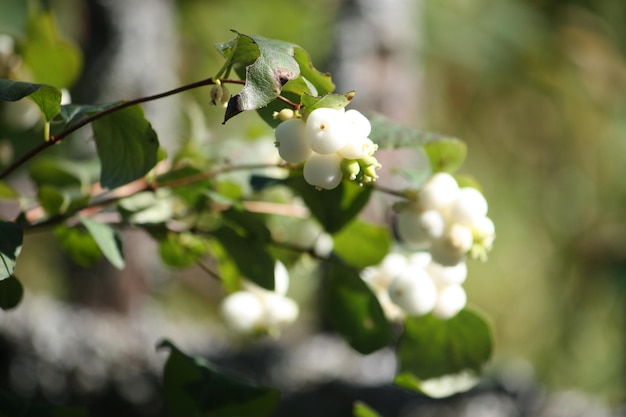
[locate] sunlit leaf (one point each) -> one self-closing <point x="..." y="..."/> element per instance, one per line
<point x="272" y="66"/>
<point x="11" y="293"/>
<point x="181" y="250"/>
<point x="195" y="387"/>
<point x="52" y="200"/>
<point x="431" y="347"/>
<point x="362" y="244"/>
<point x="321" y="81"/>
<point x="7" y="192"/>
<point x="363" y="410"/>
<point x="50" y="58"/>
<point x="354" y="311"/>
<point x="148" y="207"/>
<point x="47" y="97"/>
<point x="440" y="387"/>
<point x="10" y="247"/>
<point x="108" y="241"/>
<point x="333" y="101"/>
<point x="127" y="146"/>
<point x="79" y="245"/>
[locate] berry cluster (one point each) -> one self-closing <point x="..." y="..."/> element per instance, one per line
<point x="256" y="311"/>
<point x="331" y="143"/>
<point x="448" y="221"/>
<point x="415" y="285"/>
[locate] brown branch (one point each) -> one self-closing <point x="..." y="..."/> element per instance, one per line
<point x="83" y="122"/>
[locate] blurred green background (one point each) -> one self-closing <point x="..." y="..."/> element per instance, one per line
<point x="536" y="89"/>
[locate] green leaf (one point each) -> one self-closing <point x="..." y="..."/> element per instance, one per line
<point x="11" y="293"/>
<point x="181" y="250"/>
<point x="439" y="387"/>
<point x="196" y="388"/>
<point x="52" y="200"/>
<point x="321" y="81"/>
<point x="431" y="347"/>
<point x="332" y="208"/>
<point x="148" y="207"/>
<point x="50" y="58"/>
<point x="63" y="173"/>
<point x="363" y="410"/>
<point x="49" y="101"/>
<point x="446" y="155"/>
<point x="71" y="113"/>
<point x="79" y="244"/>
<point x="272" y="68"/>
<point x="333" y="101"/>
<point x="7" y="192"/>
<point x="249" y="224"/>
<point x="362" y="244"/>
<point x="228" y="272"/>
<point x="47" y="97"/>
<point x="249" y="254"/>
<point x="127" y="146"/>
<point x="108" y="241"/>
<point x="354" y="311"/>
<point x="10" y="247"/>
<point x="444" y="152"/>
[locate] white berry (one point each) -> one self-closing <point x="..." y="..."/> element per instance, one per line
<point x="438" y="192"/>
<point x="418" y="229"/>
<point x="291" y="142"/>
<point x="323" y="171"/>
<point x="242" y="312"/>
<point x="450" y="301"/>
<point x="413" y="291"/>
<point x="326" y="131"/>
<point x="469" y="206"/>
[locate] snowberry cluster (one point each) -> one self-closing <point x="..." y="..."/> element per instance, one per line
<point x="331" y="143"/>
<point x="415" y="285"/>
<point x="448" y="221"/>
<point x="256" y="311"/>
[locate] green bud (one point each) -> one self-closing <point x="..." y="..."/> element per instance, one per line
<point x="350" y="168"/>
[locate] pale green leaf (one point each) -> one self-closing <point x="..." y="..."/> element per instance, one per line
<point x="108" y="241"/>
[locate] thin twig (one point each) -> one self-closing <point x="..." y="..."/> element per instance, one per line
<point x="83" y="122"/>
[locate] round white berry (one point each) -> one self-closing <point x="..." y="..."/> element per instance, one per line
<point x="291" y="142"/>
<point x="279" y="311"/>
<point x="323" y="171"/>
<point x="450" y="301"/>
<point x="446" y="275"/>
<point x="242" y="312"/>
<point x="358" y="125"/>
<point x="419" y="229"/>
<point x="281" y="278"/>
<point x="380" y="276"/>
<point x="484" y="232"/>
<point x="451" y="248"/>
<point x="326" y="131"/>
<point x="469" y="206"/>
<point x="438" y="192"/>
<point x="358" y="147"/>
<point x="413" y="291"/>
